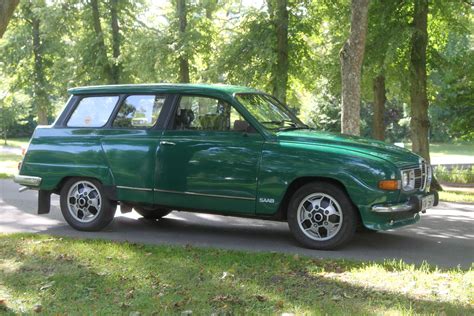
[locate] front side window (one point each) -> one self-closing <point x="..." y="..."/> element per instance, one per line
<point x="208" y="114"/>
<point x="139" y="111"/>
<point x="93" y="111"/>
<point x="269" y="111"/>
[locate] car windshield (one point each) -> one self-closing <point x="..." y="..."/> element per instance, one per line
<point x="270" y="112"/>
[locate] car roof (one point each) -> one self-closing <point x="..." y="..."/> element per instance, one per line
<point x="163" y="88"/>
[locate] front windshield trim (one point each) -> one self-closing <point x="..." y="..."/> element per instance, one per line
<point x="295" y="121"/>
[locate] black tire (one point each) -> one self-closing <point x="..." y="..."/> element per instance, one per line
<point x="100" y="217"/>
<point x="329" y="195"/>
<point x="152" y="213"/>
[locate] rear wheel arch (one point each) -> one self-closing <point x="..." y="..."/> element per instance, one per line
<point x="109" y="190"/>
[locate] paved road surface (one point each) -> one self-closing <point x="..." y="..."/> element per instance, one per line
<point x="444" y="236"/>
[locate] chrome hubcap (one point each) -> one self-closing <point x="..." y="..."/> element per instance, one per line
<point x="84" y="201"/>
<point x="319" y="216"/>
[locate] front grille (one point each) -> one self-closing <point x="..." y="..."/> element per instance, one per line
<point x="421" y="176"/>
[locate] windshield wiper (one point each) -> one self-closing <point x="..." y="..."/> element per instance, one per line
<point x="293" y="128"/>
<point x="282" y="122"/>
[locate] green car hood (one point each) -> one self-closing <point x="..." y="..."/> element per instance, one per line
<point x="400" y="157"/>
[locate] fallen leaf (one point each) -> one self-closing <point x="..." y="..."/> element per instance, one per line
<point x="124" y="305"/>
<point x="226" y="274"/>
<point x="47" y="286"/>
<point x="336" y="297"/>
<point x="225" y="298"/>
<point x="260" y="298"/>
<point x="129" y="294"/>
<point x="37" y="308"/>
<point x="279" y="304"/>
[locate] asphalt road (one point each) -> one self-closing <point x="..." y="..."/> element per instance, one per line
<point x="443" y="237"/>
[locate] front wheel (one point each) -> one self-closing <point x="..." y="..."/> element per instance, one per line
<point x="85" y="206"/>
<point x="321" y="216"/>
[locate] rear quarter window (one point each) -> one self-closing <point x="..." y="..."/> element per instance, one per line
<point x="93" y="111"/>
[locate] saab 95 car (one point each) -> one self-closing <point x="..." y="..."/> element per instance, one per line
<point x="218" y="149"/>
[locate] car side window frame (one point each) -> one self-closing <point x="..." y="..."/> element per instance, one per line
<point x="170" y="122"/>
<point x="75" y="100"/>
<point x="160" y="121"/>
<point x="74" y="103"/>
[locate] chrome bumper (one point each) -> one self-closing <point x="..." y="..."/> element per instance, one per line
<point x="405" y="207"/>
<point x="413" y="205"/>
<point x="28" y="181"/>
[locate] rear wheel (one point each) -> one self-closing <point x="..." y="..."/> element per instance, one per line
<point x="321" y="216"/>
<point x="85" y="206"/>
<point x="152" y="213"/>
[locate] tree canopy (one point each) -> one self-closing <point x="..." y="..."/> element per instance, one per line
<point x="286" y="47"/>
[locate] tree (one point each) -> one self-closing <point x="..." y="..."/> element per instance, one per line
<point x="181" y="14"/>
<point x="100" y="48"/>
<point x="352" y="56"/>
<point x="7" y="7"/>
<point x="418" y="96"/>
<point x="116" y="41"/>
<point x="379" y="107"/>
<point x="39" y="84"/>
<point x="279" y="78"/>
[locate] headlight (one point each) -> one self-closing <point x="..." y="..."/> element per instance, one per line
<point x="429" y="172"/>
<point x="408" y="180"/>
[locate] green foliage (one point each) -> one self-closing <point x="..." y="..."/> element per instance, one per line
<point x="455" y="175"/>
<point x="228" y="42"/>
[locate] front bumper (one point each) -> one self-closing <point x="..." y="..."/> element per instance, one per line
<point x="28" y="181"/>
<point x="413" y="205"/>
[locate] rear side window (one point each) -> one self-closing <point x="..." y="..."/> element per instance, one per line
<point x="139" y="111"/>
<point x="93" y="111"/>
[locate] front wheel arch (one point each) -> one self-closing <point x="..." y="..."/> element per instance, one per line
<point x="302" y="181"/>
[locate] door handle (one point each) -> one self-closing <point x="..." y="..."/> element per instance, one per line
<point x="164" y="142"/>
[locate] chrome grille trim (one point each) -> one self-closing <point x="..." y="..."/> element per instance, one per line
<point x="422" y="176"/>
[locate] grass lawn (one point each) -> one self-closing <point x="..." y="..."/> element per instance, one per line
<point x="8" y="164"/>
<point x="458" y="149"/>
<point x="68" y="276"/>
<point x="456" y="196"/>
<point x="17" y="142"/>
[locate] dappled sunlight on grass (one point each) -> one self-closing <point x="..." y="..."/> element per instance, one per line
<point x="80" y="277"/>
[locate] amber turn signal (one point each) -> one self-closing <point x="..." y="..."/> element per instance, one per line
<point x="389" y="185"/>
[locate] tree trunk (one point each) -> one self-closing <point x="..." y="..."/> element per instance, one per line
<point x="419" y="101"/>
<point x="40" y="97"/>
<point x="116" y="65"/>
<point x="101" y="49"/>
<point x="378" y="127"/>
<point x="181" y="13"/>
<point x="420" y="122"/>
<point x="210" y="6"/>
<point x="7" y="7"/>
<point x="352" y="56"/>
<point x="280" y="68"/>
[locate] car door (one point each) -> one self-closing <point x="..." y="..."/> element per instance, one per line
<point x="130" y="141"/>
<point x="208" y="158"/>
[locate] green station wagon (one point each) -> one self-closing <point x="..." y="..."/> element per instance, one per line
<point x="218" y="149"/>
